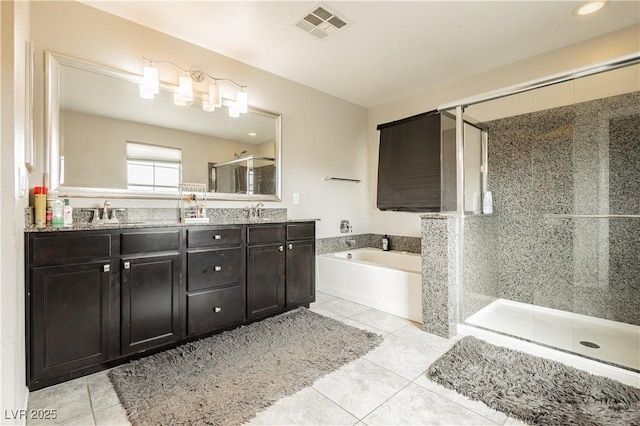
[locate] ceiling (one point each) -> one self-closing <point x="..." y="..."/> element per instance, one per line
<point x="389" y="49"/>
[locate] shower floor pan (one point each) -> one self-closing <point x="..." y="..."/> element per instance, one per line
<point x="609" y="341"/>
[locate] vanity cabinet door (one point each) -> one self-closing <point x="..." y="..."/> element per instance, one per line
<point x="301" y="267"/>
<point x="265" y="280"/>
<point x="301" y="264"/>
<point x="69" y="319"/>
<point x="150" y="301"/>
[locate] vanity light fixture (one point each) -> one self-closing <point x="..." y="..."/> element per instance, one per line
<point x="589" y="7"/>
<point x="183" y="95"/>
<point x="150" y="84"/>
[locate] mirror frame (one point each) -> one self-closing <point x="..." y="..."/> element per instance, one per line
<point x="53" y="63"/>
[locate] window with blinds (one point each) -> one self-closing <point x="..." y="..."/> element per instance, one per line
<point x="153" y="167"/>
<point x="409" y="164"/>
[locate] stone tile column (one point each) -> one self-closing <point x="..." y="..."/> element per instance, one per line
<point x="440" y="259"/>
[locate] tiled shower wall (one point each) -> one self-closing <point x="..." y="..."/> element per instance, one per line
<point x="579" y="159"/>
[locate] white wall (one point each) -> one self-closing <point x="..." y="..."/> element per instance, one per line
<point x="612" y="45"/>
<point x="14" y="28"/>
<point x="321" y="134"/>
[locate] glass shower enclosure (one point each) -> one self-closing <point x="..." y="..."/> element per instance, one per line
<point x="557" y="262"/>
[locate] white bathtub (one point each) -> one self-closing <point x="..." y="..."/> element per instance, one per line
<point x="387" y="281"/>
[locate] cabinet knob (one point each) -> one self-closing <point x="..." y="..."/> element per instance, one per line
<point x="106" y="268"/>
<point x="126" y="265"/>
<point x="217" y="309"/>
<point x="217" y="268"/>
<point x="281" y="248"/>
<point x="290" y="246"/>
<point x="217" y="237"/>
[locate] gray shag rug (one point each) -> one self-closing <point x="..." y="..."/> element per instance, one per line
<point x="535" y="390"/>
<point x="226" y="378"/>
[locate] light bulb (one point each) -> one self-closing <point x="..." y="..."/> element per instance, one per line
<point x="242" y="102"/>
<point x="150" y="85"/>
<point x="215" y="96"/>
<point x="185" y="91"/>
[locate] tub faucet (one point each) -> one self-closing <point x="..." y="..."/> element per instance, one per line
<point x="350" y="243"/>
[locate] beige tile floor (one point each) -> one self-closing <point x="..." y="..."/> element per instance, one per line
<point x="387" y="386"/>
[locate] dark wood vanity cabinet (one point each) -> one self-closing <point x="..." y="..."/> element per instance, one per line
<point x="97" y="298"/>
<point x="265" y="270"/>
<point x="301" y="264"/>
<point x="149" y="289"/>
<point x="280" y="267"/>
<point x="215" y="290"/>
<point x="68" y="297"/>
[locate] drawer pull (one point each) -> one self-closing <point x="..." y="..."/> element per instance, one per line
<point x="281" y="248"/>
<point x="217" y="309"/>
<point x="126" y="265"/>
<point x="217" y="237"/>
<point x="290" y="246"/>
<point x="106" y="268"/>
<point x="217" y="268"/>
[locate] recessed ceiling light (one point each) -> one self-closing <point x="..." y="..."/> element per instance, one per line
<point x="589" y="7"/>
<point x="252" y="133"/>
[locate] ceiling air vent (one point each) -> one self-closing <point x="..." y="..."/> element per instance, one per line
<point x="321" y="22"/>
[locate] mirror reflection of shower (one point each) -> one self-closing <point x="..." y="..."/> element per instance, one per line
<point x="248" y="174"/>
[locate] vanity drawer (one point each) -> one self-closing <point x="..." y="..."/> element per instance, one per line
<point x="214" y="309"/>
<point x="213" y="268"/>
<point x="58" y="246"/>
<point x="149" y="241"/>
<point x="301" y="231"/>
<point x="224" y="236"/>
<point x="265" y="234"/>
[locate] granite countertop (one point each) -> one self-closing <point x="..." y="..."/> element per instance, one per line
<point x="132" y="224"/>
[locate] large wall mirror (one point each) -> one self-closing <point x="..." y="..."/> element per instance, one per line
<point x="104" y="140"/>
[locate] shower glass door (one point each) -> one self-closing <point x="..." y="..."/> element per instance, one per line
<point x="557" y="262"/>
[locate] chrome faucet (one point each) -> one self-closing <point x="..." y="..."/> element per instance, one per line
<point x="105" y="209"/>
<point x="350" y="243"/>
<point x="254" y="211"/>
<point x="258" y="209"/>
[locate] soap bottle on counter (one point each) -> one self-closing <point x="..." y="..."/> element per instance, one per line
<point x="67" y="214"/>
<point x="386" y="243"/>
<point x="57" y="211"/>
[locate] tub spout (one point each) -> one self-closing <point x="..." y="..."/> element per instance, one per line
<point x="350" y="243"/>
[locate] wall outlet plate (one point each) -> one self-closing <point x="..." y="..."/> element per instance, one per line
<point x="296" y="198"/>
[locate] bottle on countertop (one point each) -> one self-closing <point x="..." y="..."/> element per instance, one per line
<point x="386" y="243"/>
<point x="57" y="211"/>
<point x="40" y="206"/>
<point x="49" y="213"/>
<point x="67" y="214"/>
